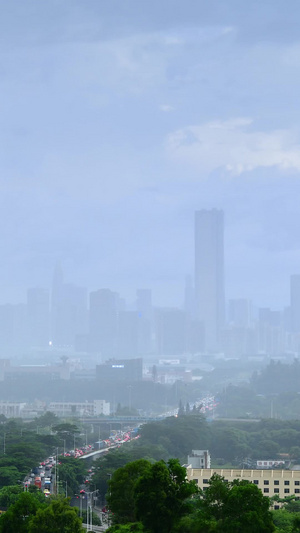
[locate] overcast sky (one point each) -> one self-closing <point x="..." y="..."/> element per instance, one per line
<point x="120" y="118"/>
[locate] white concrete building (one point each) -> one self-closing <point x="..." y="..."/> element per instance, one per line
<point x="95" y="408"/>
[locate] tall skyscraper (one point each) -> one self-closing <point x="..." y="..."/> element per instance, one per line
<point x="38" y="312"/>
<point x="209" y="274"/>
<point x="103" y="322"/>
<point x="69" y="314"/>
<point x="295" y="302"/>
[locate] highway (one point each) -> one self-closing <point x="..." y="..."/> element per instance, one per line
<point x="95" y="528"/>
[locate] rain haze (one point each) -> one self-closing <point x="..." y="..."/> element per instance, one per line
<point x="150" y="263"/>
<point x="121" y="119"/>
<point x="150" y="182"/>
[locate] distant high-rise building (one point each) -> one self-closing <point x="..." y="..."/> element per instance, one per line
<point x="144" y="303"/>
<point x="209" y="274"/>
<point x="240" y="312"/>
<point x="295" y="303"/>
<point x="103" y="322"/>
<point x="170" y="331"/>
<point x="128" y="334"/>
<point x="69" y="315"/>
<point x="38" y="312"/>
<point x="189" y="297"/>
<point x="145" y="321"/>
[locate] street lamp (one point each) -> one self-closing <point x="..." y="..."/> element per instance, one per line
<point x="129" y="389"/>
<point x="89" y="510"/>
<point x="108" y="520"/>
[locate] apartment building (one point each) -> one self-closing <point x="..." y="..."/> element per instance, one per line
<point x="95" y="408"/>
<point x="271" y="482"/>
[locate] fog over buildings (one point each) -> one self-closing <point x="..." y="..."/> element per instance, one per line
<point x="149" y="164"/>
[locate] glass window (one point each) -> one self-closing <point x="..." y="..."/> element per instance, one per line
<point x="276" y="482"/>
<point x="266" y="482"/>
<point x="297" y="491"/>
<point x="205" y="480"/>
<point x="276" y="491"/>
<point x="286" y="491"/>
<point x="297" y="482"/>
<point x="255" y="481"/>
<point x="266" y="490"/>
<point x="286" y="482"/>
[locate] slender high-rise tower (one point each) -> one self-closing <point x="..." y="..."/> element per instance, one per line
<point x="209" y="274"/>
<point x="295" y="303"/>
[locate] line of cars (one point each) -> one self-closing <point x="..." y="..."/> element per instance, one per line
<point x="41" y="475"/>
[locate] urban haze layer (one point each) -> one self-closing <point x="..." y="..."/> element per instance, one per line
<point x="149" y="164"/>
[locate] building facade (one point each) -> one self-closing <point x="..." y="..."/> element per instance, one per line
<point x="95" y="408"/>
<point x="209" y="274"/>
<point x="199" y="459"/>
<point x="282" y="483"/>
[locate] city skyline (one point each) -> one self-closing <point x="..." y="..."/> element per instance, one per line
<point x="63" y="281"/>
<point x="119" y="122"/>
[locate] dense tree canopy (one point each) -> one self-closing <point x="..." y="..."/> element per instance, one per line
<point x="30" y="514"/>
<point x="161" y="495"/>
<point x="57" y="517"/>
<point x="121" y="494"/>
<point x="18" y="516"/>
<point x="237" y="507"/>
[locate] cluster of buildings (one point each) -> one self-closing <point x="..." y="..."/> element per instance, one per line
<point x="100" y="322"/>
<point x="270" y="478"/>
<point x="61" y="409"/>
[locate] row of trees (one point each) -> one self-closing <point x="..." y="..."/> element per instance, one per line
<point x="232" y="443"/>
<point x="32" y="514"/>
<point x="25" y="445"/>
<point x="157" y="498"/>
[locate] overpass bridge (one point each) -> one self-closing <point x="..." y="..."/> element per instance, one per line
<point x="137" y="420"/>
<point x="96" y="453"/>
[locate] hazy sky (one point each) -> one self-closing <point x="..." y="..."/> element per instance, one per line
<point x="120" y="118"/>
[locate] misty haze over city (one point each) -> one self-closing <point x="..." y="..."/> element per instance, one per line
<point x="120" y="120"/>
<point x="150" y="165"/>
<point x="150" y="266"/>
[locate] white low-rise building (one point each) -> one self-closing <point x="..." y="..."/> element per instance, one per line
<point x="199" y="459"/>
<point x="95" y="408"/>
<point x="11" y="409"/>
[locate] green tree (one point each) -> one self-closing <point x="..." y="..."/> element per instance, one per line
<point x="66" y="431"/>
<point x="161" y="495"/>
<point x="283" y="520"/>
<point x="181" y="410"/>
<point x="296" y="524"/>
<point x="185" y="433"/>
<point x="47" y="420"/>
<point x="72" y="472"/>
<point x="58" y="517"/>
<point x="18" y="516"/>
<point x="9" y="495"/>
<point x="121" y="496"/>
<point x="136" y="527"/>
<point x="237" y="507"/>
<point x="8" y="474"/>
